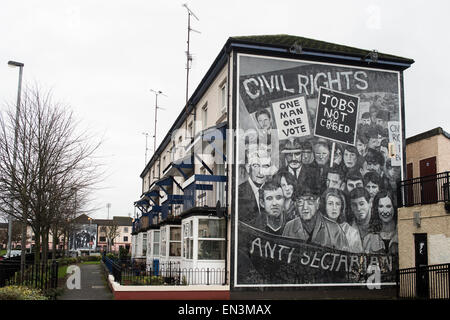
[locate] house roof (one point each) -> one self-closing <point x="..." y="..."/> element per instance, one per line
<point x="119" y="220"/>
<point x="428" y="134"/>
<point x="123" y="221"/>
<point x="287" y="41"/>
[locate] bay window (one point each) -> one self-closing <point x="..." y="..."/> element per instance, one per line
<point x="175" y="242"/>
<point x="211" y="239"/>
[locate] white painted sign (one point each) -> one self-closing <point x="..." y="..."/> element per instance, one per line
<point x="395" y="139"/>
<point x="291" y="117"/>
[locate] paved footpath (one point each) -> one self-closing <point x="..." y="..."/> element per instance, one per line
<point x="93" y="285"/>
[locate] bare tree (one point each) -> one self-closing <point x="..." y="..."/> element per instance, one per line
<point x="53" y="158"/>
<point x="111" y="232"/>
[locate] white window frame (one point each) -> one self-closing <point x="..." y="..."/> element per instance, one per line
<point x="223" y="240"/>
<point x="144" y="244"/>
<point x="205" y="116"/>
<point x="188" y="240"/>
<point x="175" y="241"/>
<point x="162" y="240"/>
<point x="223" y="96"/>
<point x="156" y="244"/>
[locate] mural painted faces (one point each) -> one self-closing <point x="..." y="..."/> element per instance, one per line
<point x="307" y="206"/>
<point x="354" y="183"/>
<point x="361" y="209"/>
<point x="333" y="207"/>
<point x="307" y="153"/>
<point x="273" y="202"/>
<point x="293" y="154"/>
<point x="321" y="154"/>
<point x="361" y="147"/>
<point x="294" y="159"/>
<point x="385" y="209"/>
<point x="374" y="143"/>
<point x="288" y="189"/>
<point x="259" y="167"/>
<point x="263" y="118"/>
<point x="350" y="158"/>
<point x="334" y="180"/>
<point x="372" y="188"/>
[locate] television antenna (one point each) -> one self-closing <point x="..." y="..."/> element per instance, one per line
<point x="188" y="53"/>
<point x="146" y="148"/>
<point x="157" y="93"/>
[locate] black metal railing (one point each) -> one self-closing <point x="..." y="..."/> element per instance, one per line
<point x="43" y="276"/>
<point x="424" y="190"/>
<point x="113" y="267"/>
<point x="424" y="282"/>
<point x="165" y="274"/>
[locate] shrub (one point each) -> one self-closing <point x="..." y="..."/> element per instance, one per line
<point x="67" y="261"/>
<point x="111" y="256"/>
<point x="21" y="293"/>
<point x="93" y="258"/>
<point x="123" y="253"/>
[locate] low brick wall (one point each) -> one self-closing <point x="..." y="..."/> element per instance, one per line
<point x="199" y="292"/>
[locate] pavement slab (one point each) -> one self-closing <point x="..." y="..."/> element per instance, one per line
<point x="93" y="285"/>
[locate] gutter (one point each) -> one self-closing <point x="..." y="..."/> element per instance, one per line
<point x="312" y="53"/>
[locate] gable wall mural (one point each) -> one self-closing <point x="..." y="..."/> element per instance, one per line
<point x="319" y="153"/>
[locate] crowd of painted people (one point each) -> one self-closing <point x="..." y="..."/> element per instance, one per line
<point x="348" y="205"/>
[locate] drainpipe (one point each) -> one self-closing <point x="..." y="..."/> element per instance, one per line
<point x="226" y="168"/>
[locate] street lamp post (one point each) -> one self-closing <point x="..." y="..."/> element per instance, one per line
<point x="10" y="220"/>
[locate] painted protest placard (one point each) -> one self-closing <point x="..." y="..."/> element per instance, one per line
<point x="291" y="117"/>
<point x="395" y="139"/>
<point x="336" y="116"/>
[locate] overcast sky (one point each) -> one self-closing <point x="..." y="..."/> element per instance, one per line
<point x="102" y="57"/>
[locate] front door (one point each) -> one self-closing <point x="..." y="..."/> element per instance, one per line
<point x="428" y="180"/>
<point x="421" y="256"/>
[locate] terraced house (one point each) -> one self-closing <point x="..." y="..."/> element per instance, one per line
<point x="266" y="181"/>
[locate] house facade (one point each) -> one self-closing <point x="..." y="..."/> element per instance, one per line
<point x="119" y="228"/>
<point x="424" y="217"/>
<point x="269" y="171"/>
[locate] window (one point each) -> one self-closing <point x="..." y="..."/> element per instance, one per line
<point x="149" y="243"/>
<point x="211" y="239"/>
<point x="163" y="242"/>
<point x="144" y="244"/>
<point x="188" y="240"/>
<point x="156" y="243"/>
<point x="205" y="116"/>
<point x="102" y="239"/>
<point x="223" y="97"/>
<point x="125" y="229"/>
<point x="175" y="242"/>
<point x="125" y="239"/>
<point x="190" y="131"/>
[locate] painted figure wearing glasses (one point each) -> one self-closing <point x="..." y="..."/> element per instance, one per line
<point x="312" y="226"/>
